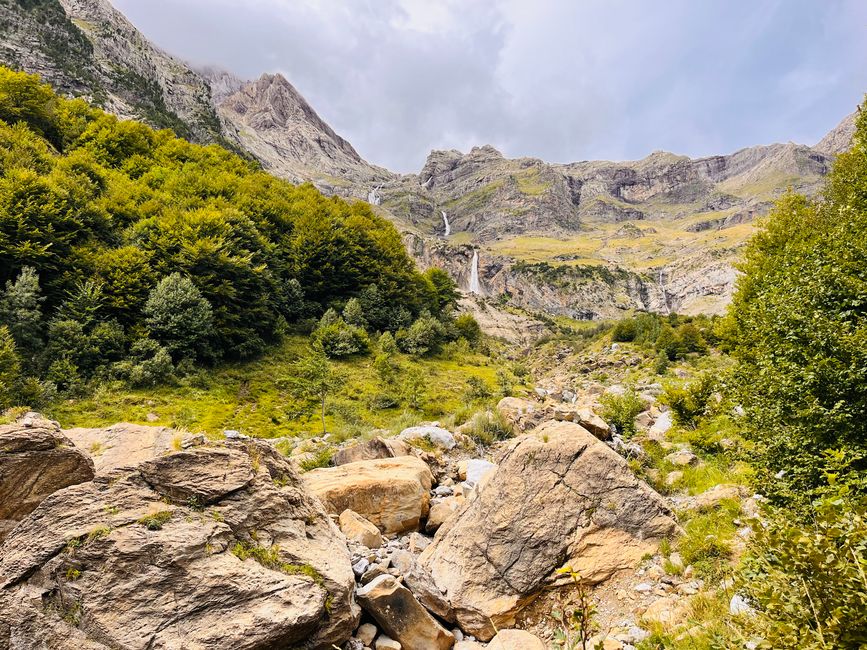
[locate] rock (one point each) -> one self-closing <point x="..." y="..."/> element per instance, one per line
<point x="126" y="445"/>
<point x="371" y="450"/>
<point x="515" y="640"/>
<point x="468" y="645"/>
<point x="152" y="417"/>
<point x="359" y="530"/>
<point x="135" y="555"/>
<point x="441" y="511"/>
<point x="739" y="605"/>
<point x="644" y="420"/>
<point x="660" y="426"/>
<point x="418" y="542"/>
<point x="676" y="561"/>
<point x="438" y="436"/>
<point x="366" y="633"/>
<point x="520" y="413"/>
<point x="387" y="643"/>
<point x="667" y="611"/>
<point x="593" y="423"/>
<point x="643" y="588"/>
<point x="559" y="497"/>
<point x="682" y="457"/>
<point x="401" y="616"/>
<point x="361" y="567"/>
<point x="477" y="469"/>
<point x="403" y="561"/>
<point x="673" y="477"/>
<point x="36" y="460"/>
<point x="604" y="642"/>
<point x="710" y="499"/>
<point x="392" y="493"/>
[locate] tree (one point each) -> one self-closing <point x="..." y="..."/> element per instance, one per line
<point x="445" y="290"/>
<point x="20" y="311"/>
<point x="314" y="379"/>
<point x="84" y="303"/>
<point x="422" y="337"/>
<point x="180" y="318"/>
<point x="468" y="327"/>
<point x="353" y="314"/>
<point x="10" y="367"/>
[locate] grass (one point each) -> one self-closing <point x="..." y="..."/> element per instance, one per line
<point x="156" y="520"/>
<point x="250" y="397"/>
<point x="269" y="557"/>
<point x="530" y="183"/>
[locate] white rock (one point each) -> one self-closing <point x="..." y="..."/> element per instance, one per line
<point x="738" y="605"/>
<point x="477" y="469"/>
<point x="437" y="435"/>
<point x="387" y="643"/>
<point x="366" y="633"/>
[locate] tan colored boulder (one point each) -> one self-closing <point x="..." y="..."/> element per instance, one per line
<point x="36" y="460"/>
<point x="392" y="493"/>
<point x="713" y="497"/>
<point x="593" y="423"/>
<point x="515" y="640"/>
<point x="441" y="511"/>
<point x="119" y="562"/>
<point x="521" y="413"/>
<point x="124" y="444"/>
<point x="667" y="611"/>
<point x="359" y="530"/>
<point x="401" y="616"/>
<point x="604" y="642"/>
<point x="468" y="645"/>
<point x="371" y="450"/>
<point x="683" y="458"/>
<point x="385" y="642"/>
<point x="559" y="497"/>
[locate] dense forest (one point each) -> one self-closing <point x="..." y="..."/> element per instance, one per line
<point x="126" y="252"/>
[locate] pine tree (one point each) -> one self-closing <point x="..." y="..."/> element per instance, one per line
<point x="180" y="318"/>
<point x="20" y="312"/>
<point x="10" y="368"/>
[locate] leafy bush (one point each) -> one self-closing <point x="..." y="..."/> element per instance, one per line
<point x="468" y="328"/>
<point x="621" y="410"/>
<point x="691" y="401"/>
<point x="180" y="318"/>
<point x="425" y="335"/>
<point x="338" y="339"/>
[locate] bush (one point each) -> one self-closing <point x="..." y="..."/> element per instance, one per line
<point x="692" y="401"/>
<point x="180" y="318"/>
<point x="477" y="389"/>
<point x="621" y="410"/>
<point x="148" y="364"/>
<point x="489" y="427"/>
<point x="624" y="331"/>
<point x="424" y="336"/>
<point x="468" y="328"/>
<point x="338" y="339"/>
<point x="10" y="368"/>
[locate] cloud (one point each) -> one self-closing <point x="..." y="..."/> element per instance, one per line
<point x="555" y="79"/>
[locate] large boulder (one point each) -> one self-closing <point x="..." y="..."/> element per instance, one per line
<point x="124" y="444"/>
<point x="437" y="436"/>
<point x="401" y="616"/>
<point x="559" y="497"/>
<point x="392" y="493"/>
<point x="36" y="460"/>
<point x="371" y="450"/>
<point x="216" y="547"/>
<point x="521" y="413"/>
<point x="515" y="640"/>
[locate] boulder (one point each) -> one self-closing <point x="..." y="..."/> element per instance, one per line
<point x="713" y="497"/>
<point x="441" y="511"/>
<point x="558" y="497"/>
<point x="125" y="445"/>
<point x="660" y="427"/>
<point x="593" y="423"/>
<point x="474" y="470"/>
<point x="385" y="642"/>
<point x="521" y="413"/>
<point x="392" y="493"/>
<point x="515" y="640"/>
<point x="366" y="633"/>
<point x="437" y="436"/>
<point x="36" y="460"/>
<point x="682" y="458"/>
<point x="359" y="530"/>
<point x="134" y="559"/>
<point x="401" y="616"/>
<point x="371" y="450"/>
<point x="667" y="611"/>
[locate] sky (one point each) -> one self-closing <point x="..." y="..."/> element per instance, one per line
<point x="560" y="80"/>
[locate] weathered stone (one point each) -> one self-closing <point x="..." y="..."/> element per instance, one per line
<point x="441" y="511"/>
<point x="660" y="427"/>
<point x="515" y="640"/>
<point x="401" y="616"/>
<point x="371" y="450"/>
<point x="521" y="413"/>
<point x="366" y="633"/>
<point x="559" y="496"/>
<point x="359" y="530"/>
<point x="673" y="477"/>
<point x="125" y="445"/>
<point x="682" y="457"/>
<point x="668" y="612"/>
<point x="714" y="496"/>
<point x="392" y="493"/>
<point x="593" y="423"/>
<point x="437" y="436"/>
<point x="35" y="460"/>
<point x="385" y="642"/>
<point x="135" y="569"/>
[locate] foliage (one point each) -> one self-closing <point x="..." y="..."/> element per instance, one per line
<point x="691" y="401"/>
<point x="468" y="328"/>
<point x="621" y="410"/>
<point x="490" y="426"/>
<point x="180" y="318"/>
<point x="424" y="336"/>
<point x="800" y="315"/>
<point x="20" y="311"/>
<point x="156" y="520"/>
<point x="339" y="339"/>
<point x="314" y="379"/>
<point x="10" y="368"/>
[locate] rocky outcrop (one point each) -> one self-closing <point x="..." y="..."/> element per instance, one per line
<point x="559" y="497"/>
<point x="36" y="460"/>
<point x="401" y="616"/>
<point x="392" y="493"/>
<point x="515" y="640"/>
<point x="371" y="450"/>
<point x="126" y="445"/>
<point x="213" y="547"/>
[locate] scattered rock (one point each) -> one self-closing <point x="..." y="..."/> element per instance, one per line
<point x="660" y="427"/>
<point x="134" y="555"/>
<point x="366" y="633"/>
<point x="476" y="470"/>
<point x="392" y="493"/>
<point x="401" y="616"/>
<point x="515" y="640"/>
<point x="673" y="477"/>
<point x="667" y="611"/>
<point x="520" y="413"/>
<point x="739" y="605"/>
<point x="559" y="496"/>
<point x="359" y="530"/>
<point x="682" y="457"/>
<point x="36" y="460"/>
<point x="372" y="449"/>
<point x="441" y="511"/>
<point x="438" y="436"/>
<point x="710" y="499"/>
<point x="385" y="642"/>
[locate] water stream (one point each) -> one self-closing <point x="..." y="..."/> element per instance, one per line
<point x="448" y="228"/>
<point x="475" y="287"/>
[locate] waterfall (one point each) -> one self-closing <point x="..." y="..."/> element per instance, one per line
<point x="475" y="287"/>
<point x="446" y="224"/>
<point x="661" y="283"/>
<point x="373" y="196"/>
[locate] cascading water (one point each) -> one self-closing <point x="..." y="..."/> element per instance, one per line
<point x="373" y="196"/>
<point x="475" y="287"/>
<point x="448" y="228"/>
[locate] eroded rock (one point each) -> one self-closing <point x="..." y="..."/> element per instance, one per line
<point x="371" y="450"/>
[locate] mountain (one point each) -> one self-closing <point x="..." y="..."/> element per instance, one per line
<point x="589" y="239"/>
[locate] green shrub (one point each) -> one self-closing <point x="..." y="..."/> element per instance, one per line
<point x="424" y="336"/>
<point x="489" y="427"/>
<point x="468" y="328"/>
<point x="477" y="389"/>
<point x="692" y="401"/>
<point x="338" y="339"/>
<point x="156" y="520"/>
<point x="621" y="410"/>
<point x="321" y="458"/>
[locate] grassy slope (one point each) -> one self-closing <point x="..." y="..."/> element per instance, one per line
<point x="249" y="397"/>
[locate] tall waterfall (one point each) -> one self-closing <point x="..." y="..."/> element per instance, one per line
<point x="475" y="287"/>
<point x="446" y="224"/>
<point x="373" y="196"/>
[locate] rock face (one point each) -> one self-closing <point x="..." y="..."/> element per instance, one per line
<point x="124" y="445"/>
<point x="392" y="493"/>
<point x="213" y="547"/>
<point x="559" y="497"/>
<point x="515" y="640"/>
<point x="36" y="460"/>
<point x="401" y="616"/>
